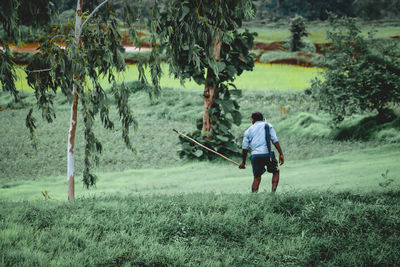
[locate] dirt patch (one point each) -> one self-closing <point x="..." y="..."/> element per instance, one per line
<point x="28" y="47"/>
<point x="126" y="40"/>
<point x="293" y="61"/>
<point x="269" y="46"/>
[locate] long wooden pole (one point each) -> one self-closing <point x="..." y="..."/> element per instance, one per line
<point x="209" y="149"/>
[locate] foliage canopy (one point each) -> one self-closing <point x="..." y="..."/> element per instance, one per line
<point x="191" y="32"/>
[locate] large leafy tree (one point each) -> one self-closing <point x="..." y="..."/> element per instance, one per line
<point x="202" y="42"/>
<point x="92" y="49"/>
<point x="363" y="73"/>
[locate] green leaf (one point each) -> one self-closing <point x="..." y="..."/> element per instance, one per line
<point x="222" y="138"/>
<point x="227" y="105"/>
<point x="237" y="117"/>
<point x="185" y="11"/>
<point x="198" y="153"/>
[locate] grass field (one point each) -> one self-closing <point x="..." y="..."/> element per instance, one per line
<point x="264" y="76"/>
<point x="151" y="208"/>
<point x="303" y="134"/>
<point x="275" y="32"/>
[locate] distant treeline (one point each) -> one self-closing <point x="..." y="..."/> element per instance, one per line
<point x="276" y="9"/>
<point x="318" y="10"/>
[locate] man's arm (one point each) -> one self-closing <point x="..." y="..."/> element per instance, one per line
<point x="278" y="147"/>
<point x="244" y="156"/>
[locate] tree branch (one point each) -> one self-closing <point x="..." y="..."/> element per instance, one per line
<point x="33" y="71"/>
<point x="43" y="70"/>
<point x="55" y="36"/>
<point x="91" y="14"/>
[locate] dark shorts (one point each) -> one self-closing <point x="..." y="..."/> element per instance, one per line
<point x="259" y="161"/>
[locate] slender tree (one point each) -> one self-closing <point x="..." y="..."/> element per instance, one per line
<point x="297" y="31"/>
<point x="92" y="49"/>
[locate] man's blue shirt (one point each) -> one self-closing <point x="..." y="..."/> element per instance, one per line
<point x="254" y="137"/>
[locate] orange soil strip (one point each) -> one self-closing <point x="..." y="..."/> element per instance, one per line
<point x="33" y="47"/>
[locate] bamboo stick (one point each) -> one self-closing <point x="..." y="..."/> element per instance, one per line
<point x="209" y="149"/>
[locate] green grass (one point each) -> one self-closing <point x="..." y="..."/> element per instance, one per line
<point x="297" y="229"/>
<point x="264" y="76"/>
<point x="275" y="32"/>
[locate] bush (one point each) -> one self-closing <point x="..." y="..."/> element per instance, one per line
<point x="363" y="74"/>
<point x="308" y="46"/>
<point x="63" y="18"/>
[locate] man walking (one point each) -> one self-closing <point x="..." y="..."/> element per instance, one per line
<point x="258" y="137"/>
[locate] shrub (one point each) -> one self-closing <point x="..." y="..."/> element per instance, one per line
<point x="308" y="46"/>
<point x="363" y="74"/>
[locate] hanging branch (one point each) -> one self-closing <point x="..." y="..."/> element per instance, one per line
<point x="91" y="14"/>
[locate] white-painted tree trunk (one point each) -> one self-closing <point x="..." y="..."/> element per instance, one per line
<point x="74" y="111"/>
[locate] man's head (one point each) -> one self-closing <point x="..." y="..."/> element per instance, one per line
<point x="256" y="116"/>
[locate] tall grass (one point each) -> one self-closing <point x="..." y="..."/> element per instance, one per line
<point x="301" y="229"/>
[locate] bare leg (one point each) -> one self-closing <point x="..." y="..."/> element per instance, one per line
<point x="275" y="181"/>
<point x="256" y="183"/>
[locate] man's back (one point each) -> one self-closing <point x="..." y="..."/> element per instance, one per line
<point x="255" y="138"/>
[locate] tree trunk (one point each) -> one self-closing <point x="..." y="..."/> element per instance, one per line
<point x="74" y="111"/>
<point x="209" y="89"/>
<point x="71" y="146"/>
<point x="208" y="102"/>
<point x="277" y="7"/>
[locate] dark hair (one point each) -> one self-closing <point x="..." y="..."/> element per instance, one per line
<point x="257" y="116"/>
